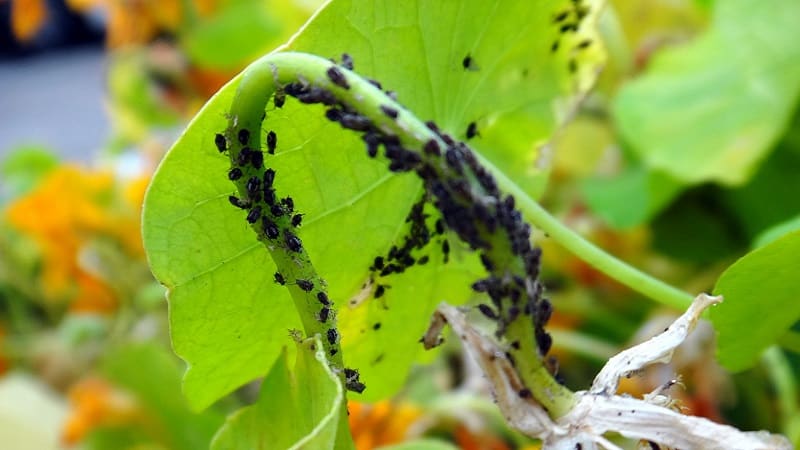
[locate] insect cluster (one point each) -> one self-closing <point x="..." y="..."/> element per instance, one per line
<point x="569" y="22"/>
<point x="465" y="194"/>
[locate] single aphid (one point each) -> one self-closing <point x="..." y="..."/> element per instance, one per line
<point x="389" y="111"/>
<point x="272" y="142"/>
<point x="487" y="311"/>
<point x="337" y="77"/>
<point x="333" y="336"/>
<point x="432" y="148"/>
<point x="270" y="228"/>
<point x="269" y="177"/>
<point x="297" y="219"/>
<point x="254" y="214"/>
<point x="238" y="202"/>
<point x="234" y="174"/>
<point x="305" y="285"/>
<point x="292" y="241"/>
<point x="244" y="136"/>
<point x="323" y="314"/>
<point x="257" y="159"/>
<point x="221" y="142"/>
<point x="323" y="298"/>
<point x="347" y="61"/>
<point x="279" y="279"/>
<point x="472" y="130"/>
<point x="379" y="291"/>
<point x="252" y="185"/>
<point x="468" y="63"/>
<point x="244" y="156"/>
<point x="280" y="98"/>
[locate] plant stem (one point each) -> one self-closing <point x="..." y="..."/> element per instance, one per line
<point x="590" y="253"/>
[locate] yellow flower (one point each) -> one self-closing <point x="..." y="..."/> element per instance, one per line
<point x="382" y="423"/>
<point x="95" y="403"/>
<point x="70" y="208"/>
<point x="27" y="17"/>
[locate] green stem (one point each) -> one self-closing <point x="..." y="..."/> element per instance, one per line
<point x="585" y="250"/>
<point x="790" y="341"/>
<point x="780" y="371"/>
<point x="260" y="82"/>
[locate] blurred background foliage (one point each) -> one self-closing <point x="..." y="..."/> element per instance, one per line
<point x="683" y="158"/>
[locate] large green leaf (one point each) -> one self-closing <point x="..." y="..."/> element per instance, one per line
<point x="711" y="110"/>
<point x="762" y="301"/>
<point x="297" y="408"/>
<point x="228" y="319"/>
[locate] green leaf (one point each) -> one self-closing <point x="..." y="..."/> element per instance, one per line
<point x="772" y="234"/>
<point x="296" y="409"/>
<point x="630" y="198"/>
<point x="23" y="168"/>
<point x="761" y="302"/>
<point x="152" y="374"/>
<point x="712" y="109"/>
<point x="422" y="444"/>
<point x="228" y="319"/>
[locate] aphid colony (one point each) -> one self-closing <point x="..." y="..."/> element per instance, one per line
<point x="569" y="21"/>
<point x="456" y="184"/>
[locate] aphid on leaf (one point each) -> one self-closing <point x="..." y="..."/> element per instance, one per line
<point x="347" y="61"/>
<point x="389" y="111"/>
<point x="305" y="285"/>
<point x="254" y="214"/>
<point x="525" y="393"/>
<point x="280" y="98"/>
<point x="333" y="336"/>
<point x="244" y="136"/>
<point x="272" y="142"/>
<point x="288" y="204"/>
<point x="487" y="311"/>
<point x="323" y="314"/>
<point x="292" y="241"/>
<point x="269" y="196"/>
<point x="235" y="174"/>
<point x="252" y="185"/>
<point x="379" y="291"/>
<point x="279" y="279"/>
<point x="276" y="210"/>
<point x="472" y="130"/>
<point x="244" y="156"/>
<point x="238" y="202"/>
<point x="468" y="63"/>
<point x="323" y="298"/>
<point x="337" y="77"/>
<point x="221" y="142"/>
<point x="432" y="148"/>
<point x="423" y="260"/>
<point x="257" y="159"/>
<point x="297" y="219"/>
<point x="270" y="228"/>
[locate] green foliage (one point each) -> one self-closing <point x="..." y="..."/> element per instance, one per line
<point x="712" y="109"/>
<point x="23" y="168"/>
<point x="761" y="301"/>
<point x="228" y="319"/>
<point x="424" y="444"/>
<point x="296" y="409"/>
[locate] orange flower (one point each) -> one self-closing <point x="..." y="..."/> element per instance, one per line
<point x="96" y="403"/>
<point x="382" y="423"/>
<point x="70" y="208"/>
<point x="27" y="18"/>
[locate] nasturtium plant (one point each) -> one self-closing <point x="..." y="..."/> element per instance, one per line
<point x="509" y="67"/>
<point x="761" y="301"/>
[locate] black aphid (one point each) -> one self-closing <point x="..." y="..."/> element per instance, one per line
<point x="276" y="209"/>
<point x="432" y="148"/>
<point x="487" y="262"/>
<point x="376" y="326"/>
<point x="375" y="83"/>
<point x="584" y="44"/>
<point x="333" y="336"/>
<point x="235" y="174"/>
<point x="221" y="142"/>
<point x="439" y="226"/>
<point x="269" y="196"/>
<point x="288" y="204"/>
<point x="423" y="260"/>
<point x="472" y="130"/>
<point x="572" y="65"/>
<point x="292" y="241"/>
<point x="270" y="228"/>
<point x="378" y="263"/>
<point x="487" y="311"/>
<point x="355" y="122"/>
<point x="323" y="298"/>
<point x="446" y="250"/>
<point x="561" y="16"/>
<point x="468" y="63"/>
<point x="244" y="156"/>
<point x="244" y="136"/>
<point x="544" y="309"/>
<point x="347" y="61"/>
<point x="337" y="77"/>
<point x="280" y="98"/>
<point x="389" y="111"/>
<point x="252" y="185"/>
<point x="254" y="214"/>
<point x="297" y="219"/>
<point x="279" y="279"/>
<point x="525" y="393"/>
<point x="324" y="313"/>
<point x="554" y="47"/>
<point x="305" y="285"/>
<point x="238" y="202"/>
<point x="269" y="177"/>
<point x="272" y="141"/>
<point x="379" y="291"/>
<point x="543" y="340"/>
<point x="257" y="159"/>
<point x="372" y="140"/>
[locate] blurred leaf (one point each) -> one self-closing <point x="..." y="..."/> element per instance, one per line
<point x="423" y="444"/>
<point x="762" y="300"/>
<point x="237" y="34"/>
<point x="772" y="234"/>
<point x="631" y="197"/>
<point x="228" y="317"/>
<point x="153" y="375"/>
<point x="23" y="168"/>
<point x="296" y="409"/>
<point x="712" y="109"/>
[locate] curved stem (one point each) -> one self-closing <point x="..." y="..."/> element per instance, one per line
<point x="590" y="253"/>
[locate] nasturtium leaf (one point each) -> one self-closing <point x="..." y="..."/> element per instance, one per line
<point x="762" y="301"/>
<point x="298" y="408"/>
<point x="710" y="110"/>
<point x="228" y="319"/>
<point x="772" y="234"/>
